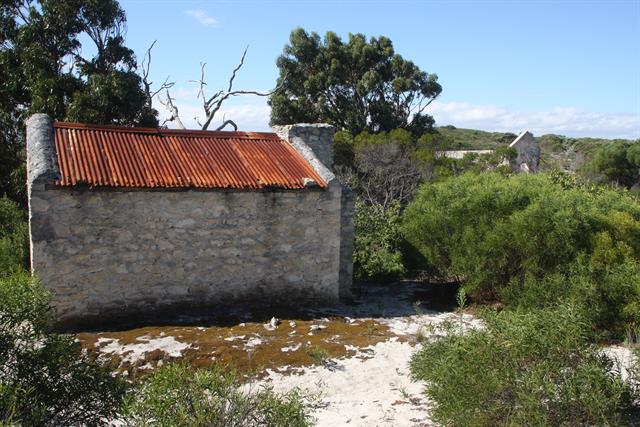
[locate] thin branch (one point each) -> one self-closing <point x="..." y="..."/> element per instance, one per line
<point x="201" y="81"/>
<point x="212" y="105"/>
<point x="166" y="85"/>
<point x="228" y="122"/>
<point x="147" y="58"/>
<point x="235" y="70"/>
<point x="227" y="95"/>
<point x="175" y="115"/>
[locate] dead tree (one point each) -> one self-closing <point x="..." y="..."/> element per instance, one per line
<point x="165" y="86"/>
<point x="211" y="105"/>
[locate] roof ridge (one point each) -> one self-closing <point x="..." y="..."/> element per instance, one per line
<point x="161" y="131"/>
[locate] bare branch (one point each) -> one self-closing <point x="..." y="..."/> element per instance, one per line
<point x="228" y="122"/>
<point x="147" y="58"/>
<point x="235" y="70"/>
<point x="201" y="81"/>
<point x="146" y="67"/>
<point x="175" y="115"/>
<point x="212" y="105"/>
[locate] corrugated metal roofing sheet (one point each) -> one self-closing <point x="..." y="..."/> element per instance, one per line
<point x="114" y="156"/>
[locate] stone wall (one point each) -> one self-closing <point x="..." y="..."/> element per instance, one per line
<point x="527" y="153"/>
<point x="528" y="149"/>
<point x="347" y="244"/>
<point x="459" y="154"/>
<point x="314" y="142"/>
<point x="104" y="253"/>
<point x="107" y="253"/>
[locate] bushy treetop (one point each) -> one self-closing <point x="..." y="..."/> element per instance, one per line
<point x="355" y="85"/>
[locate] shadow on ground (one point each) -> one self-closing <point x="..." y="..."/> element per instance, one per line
<point x="373" y="300"/>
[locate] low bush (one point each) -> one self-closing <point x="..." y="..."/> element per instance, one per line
<point x="377" y="253"/>
<point x="177" y="395"/>
<point x="533" y="240"/>
<point x="14" y="247"/>
<point x="533" y="367"/>
<point x="44" y="378"/>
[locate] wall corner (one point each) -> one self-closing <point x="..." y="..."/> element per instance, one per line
<point x="347" y="244"/>
<point x="42" y="169"/>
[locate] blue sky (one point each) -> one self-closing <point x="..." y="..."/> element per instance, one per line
<point x="566" y="67"/>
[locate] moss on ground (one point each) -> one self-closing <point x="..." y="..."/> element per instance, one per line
<point x="249" y="347"/>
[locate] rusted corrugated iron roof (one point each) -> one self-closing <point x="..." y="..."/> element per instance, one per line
<point x="114" y="156"/>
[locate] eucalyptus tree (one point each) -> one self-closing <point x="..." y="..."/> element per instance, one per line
<point x="357" y="85"/>
<point x="66" y="58"/>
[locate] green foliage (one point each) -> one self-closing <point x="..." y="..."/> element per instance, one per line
<point x="14" y="250"/>
<point x="176" y="395"/>
<point x="533" y="240"/>
<point x="377" y="253"/>
<point x="356" y="85"/>
<point x="319" y="355"/>
<point x="617" y="163"/>
<point x="44" y="377"/>
<point x="471" y="139"/>
<point x="343" y="149"/>
<point x="525" y="368"/>
<point x="43" y="70"/>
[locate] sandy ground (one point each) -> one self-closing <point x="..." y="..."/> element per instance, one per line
<point x="372" y="388"/>
<point x="351" y="360"/>
<point x="360" y="378"/>
<point x="622" y="357"/>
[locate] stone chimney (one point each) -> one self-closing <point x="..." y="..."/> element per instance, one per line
<point x="41" y="154"/>
<point x="314" y="142"/>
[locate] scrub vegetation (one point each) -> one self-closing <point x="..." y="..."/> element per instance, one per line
<point x="525" y="368"/>
<point x="533" y="241"/>
<point x="177" y="395"/>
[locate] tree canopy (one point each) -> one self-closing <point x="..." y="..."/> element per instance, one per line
<point x="45" y="68"/>
<point x="617" y="163"/>
<point x="358" y="85"/>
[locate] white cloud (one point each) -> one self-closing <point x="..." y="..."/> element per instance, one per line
<point x="567" y="121"/>
<point x="202" y="17"/>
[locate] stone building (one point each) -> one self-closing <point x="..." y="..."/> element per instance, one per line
<point x="128" y="221"/>
<point x="528" y="150"/>
<point x="527" y="153"/>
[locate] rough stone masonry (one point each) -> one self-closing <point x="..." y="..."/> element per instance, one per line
<point x="107" y="252"/>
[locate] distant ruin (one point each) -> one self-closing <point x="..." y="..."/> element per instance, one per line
<point x="525" y="145"/>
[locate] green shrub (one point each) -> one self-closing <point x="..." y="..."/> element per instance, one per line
<point x="533" y="240"/>
<point x="377" y="253"/>
<point x="13" y="237"/>
<point x="608" y="292"/>
<point x="44" y="377"/>
<point x="616" y="163"/>
<point x="532" y="368"/>
<point x="176" y="395"/>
